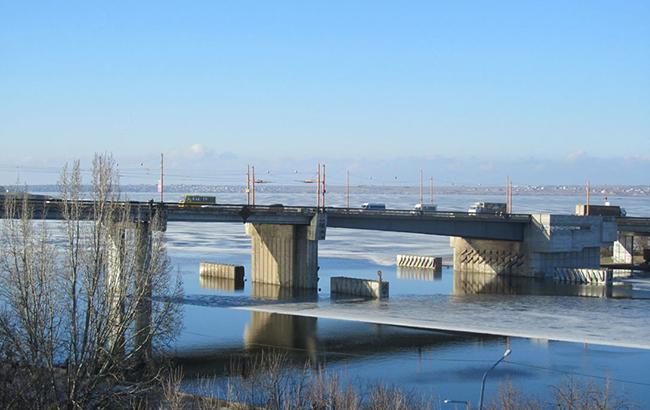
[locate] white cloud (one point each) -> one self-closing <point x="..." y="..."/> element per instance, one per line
<point x="576" y="155"/>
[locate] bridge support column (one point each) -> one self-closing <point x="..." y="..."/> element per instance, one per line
<point x="623" y="250"/>
<point x="286" y="255"/>
<point x="550" y="242"/>
<point x="485" y="256"/>
<point x="117" y="287"/>
<point x="118" y="278"/>
<point x="143" y="288"/>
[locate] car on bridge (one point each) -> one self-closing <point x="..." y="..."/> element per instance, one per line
<point x="373" y="206"/>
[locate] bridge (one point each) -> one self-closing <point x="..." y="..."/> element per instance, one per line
<point x="285" y="238"/>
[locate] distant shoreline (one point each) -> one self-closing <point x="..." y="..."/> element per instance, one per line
<point x="523" y="190"/>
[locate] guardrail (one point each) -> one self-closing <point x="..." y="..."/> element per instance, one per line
<point x="171" y="207"/>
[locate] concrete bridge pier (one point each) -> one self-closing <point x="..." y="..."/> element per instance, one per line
<point x="143" y="288"/>
<point x="623" y="250"/>
<point x="550" y="242"/>
<point x="118" y="286"/>
<point x="286" y="255"/>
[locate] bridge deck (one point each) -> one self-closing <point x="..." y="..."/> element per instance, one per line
<point x="496" y="227"/>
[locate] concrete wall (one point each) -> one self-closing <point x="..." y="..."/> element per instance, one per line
<point x="366" y="288"/>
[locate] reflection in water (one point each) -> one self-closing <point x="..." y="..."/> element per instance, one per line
<point x="419" y="273"/>
<point x="468" y="283"/>
<point x="229" y="285"/>
<point x="275" y="292"/>
<point x="282" y="331"/>
<point x="318" y="341"/>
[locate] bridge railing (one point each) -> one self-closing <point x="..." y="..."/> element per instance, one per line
<point x="426" y="214"/>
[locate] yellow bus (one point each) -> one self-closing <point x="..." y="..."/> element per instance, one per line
<point x="197" y="201"/>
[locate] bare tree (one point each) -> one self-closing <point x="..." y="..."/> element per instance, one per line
<point x="80" y="314"/>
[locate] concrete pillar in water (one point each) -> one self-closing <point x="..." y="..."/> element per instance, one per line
<point x="550" y="242"/>
<point x="623" y="250"/>
<point x="484" y="256"/>
<point x="116" y="286"/>
<point x="286" y="255"/>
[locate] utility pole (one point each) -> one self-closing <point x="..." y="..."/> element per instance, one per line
<point x="347" y="188"/>
<point x="431" y="190"/>
<point x="588" y="195"/>
<point x="508" y="195"/>
<point x="324" y="190"/>
<point x="318" y="187"/>
<point x="162" y="182"/>
<point x="248" y="184"/>
<point x="253" y="183"/>
<point x="421" y="188"/>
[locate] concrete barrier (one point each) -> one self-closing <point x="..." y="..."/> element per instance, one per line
<point x="234" y="273"/>
<point x="367" y="288"/>
<point x="415" y="261"/>
<point x="583" y="275"/>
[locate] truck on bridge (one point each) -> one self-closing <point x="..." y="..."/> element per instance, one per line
<point x="491" y="208"/>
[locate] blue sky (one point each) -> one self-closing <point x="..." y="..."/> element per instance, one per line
<point x="383" y="87"/>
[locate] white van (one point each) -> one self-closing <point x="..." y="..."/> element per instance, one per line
<point x="425" y="207"/>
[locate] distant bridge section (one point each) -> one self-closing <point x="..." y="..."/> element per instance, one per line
<point x="495" y="227"/>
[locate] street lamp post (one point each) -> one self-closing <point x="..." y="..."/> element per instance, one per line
<point x="480" y="400"/>
<point x="466" y="403"/>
